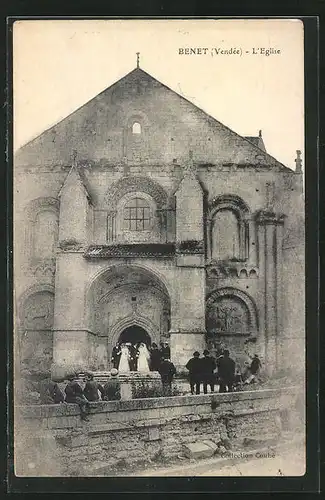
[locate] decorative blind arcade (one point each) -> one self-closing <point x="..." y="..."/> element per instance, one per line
<point x="137" y="215"/>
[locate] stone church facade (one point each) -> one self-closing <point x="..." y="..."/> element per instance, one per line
<point x="140" y="217"/>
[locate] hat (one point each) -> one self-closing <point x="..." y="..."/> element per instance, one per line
<point x="114" y="372"/>
<point x="196" y="354"/>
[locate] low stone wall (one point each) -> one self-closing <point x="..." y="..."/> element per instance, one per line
<point x="52" y="439"/>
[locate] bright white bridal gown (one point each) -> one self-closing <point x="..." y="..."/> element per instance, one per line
<point x="124" y="366"/>
<point x="143" y="359"/>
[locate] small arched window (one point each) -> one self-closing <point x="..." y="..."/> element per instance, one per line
<point x="136" y="128"/>
<point x="136" y="215"/>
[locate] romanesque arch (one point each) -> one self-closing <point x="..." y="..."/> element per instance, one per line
<point x="124" y="296"/>
<point x="135" y="184"/>
<point x="35" y="326"/>
<point x="230" y="311"/>
<point x="227" y="228"/>
<point x="42" y="228"/>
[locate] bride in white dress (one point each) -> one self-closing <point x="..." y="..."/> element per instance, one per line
<point x="143" y="358"/>
<point x="124" y="359"/>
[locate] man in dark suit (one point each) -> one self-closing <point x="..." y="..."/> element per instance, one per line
<point x="116" y="354"/>
<point x="167" y="371"/>
<point x="208" y="366"/>
<point x="50" y="392"/>
<point x="75" y="394"/>
<point x="92" y="387"/>
<point x="194" y="367"/>
<point x="155" y="358"/>
<point x="165" y="350"/>
<point x="133" y="362"/>
<point x="112" y="388"/>
<point x="226" y="372"/>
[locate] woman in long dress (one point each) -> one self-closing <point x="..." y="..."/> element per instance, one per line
<point x="143" y="358"/>
<point x="124" y="365"/>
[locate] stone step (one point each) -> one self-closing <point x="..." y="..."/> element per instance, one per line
<point x="198" y="449"/>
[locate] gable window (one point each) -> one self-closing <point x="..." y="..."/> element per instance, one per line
<point x="136" y="128"/>
<point x="136" y="215"/>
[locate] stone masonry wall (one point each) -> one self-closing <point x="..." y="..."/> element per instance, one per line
<point x="56" y="442"/>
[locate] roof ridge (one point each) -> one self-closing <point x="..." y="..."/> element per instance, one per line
<point x="80" y="107"/>
<point x="140" y="70"/>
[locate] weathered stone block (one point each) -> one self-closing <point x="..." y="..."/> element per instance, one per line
<point x="153" y="434"/>
<point x="63" y="422"/>
<point x="197" y="450"/>
<point x="77" y="441"/>
<point x="211" y="445"/>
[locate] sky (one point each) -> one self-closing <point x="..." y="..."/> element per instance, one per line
<point x="59" y="65"/>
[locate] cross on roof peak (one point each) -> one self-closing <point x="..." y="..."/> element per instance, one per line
<point x="74" y="157"/>
<point x="138" y="59"/>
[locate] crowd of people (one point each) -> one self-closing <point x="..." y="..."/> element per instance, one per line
<point x="79" y="389"/>
<point x="206" y="370"/>
<point x="221" y="371"/>
<point x="128" y="357"/>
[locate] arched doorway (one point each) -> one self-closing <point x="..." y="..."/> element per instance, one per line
<point x="135" y="334"/>
<point x="126" y="303"/>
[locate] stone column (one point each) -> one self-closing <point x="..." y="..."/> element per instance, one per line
<point x="270" y="258"/>
<point x="252" y="248"/>
<point x="261" y="286"/>
<point x="188" y="313"/>
<point x="162" y="216"/>
<point x="208" y="239"/>
<point x="70" y="336"/>
<point x="279" y="291"/>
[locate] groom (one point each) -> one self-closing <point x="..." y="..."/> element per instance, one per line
<point x="133" y="357"/>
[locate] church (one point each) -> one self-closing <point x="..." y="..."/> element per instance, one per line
<point x="140" y="218"/>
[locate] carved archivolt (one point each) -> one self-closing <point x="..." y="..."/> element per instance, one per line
<point x="229" y="201"/>
<point x="216" y="297"/>
<point x="36" y="307"/>
<point x="134" y="319"/>
<point x="41" y="233"/>
<point x="130" y="184"/>
<point x="224" y="243"/>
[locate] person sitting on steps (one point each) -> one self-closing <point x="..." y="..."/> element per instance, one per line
<point x="112" y="388"/>
<point x="75" y="394"/>
<point x="92" y="388"/>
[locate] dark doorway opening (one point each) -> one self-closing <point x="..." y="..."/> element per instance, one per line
<point x="135" y="334"/>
